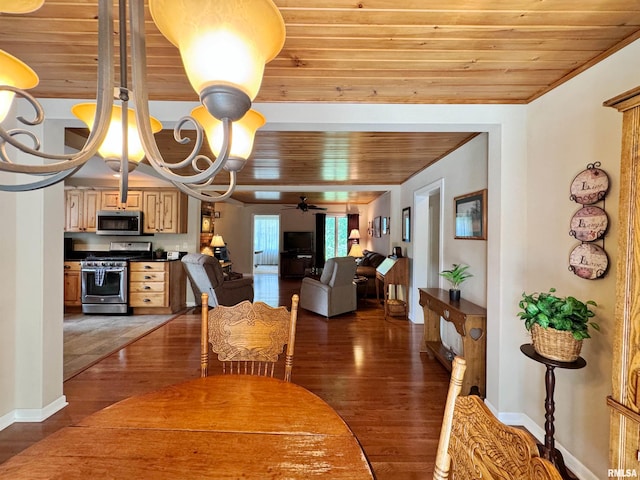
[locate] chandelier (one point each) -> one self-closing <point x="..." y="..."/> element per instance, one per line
<point x="224" y="46"/>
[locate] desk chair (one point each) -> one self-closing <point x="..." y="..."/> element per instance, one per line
<point x="248" y="337"/>
<point x="475" y="444"/>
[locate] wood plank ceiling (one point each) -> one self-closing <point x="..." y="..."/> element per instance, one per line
<point x="367" y="51"/>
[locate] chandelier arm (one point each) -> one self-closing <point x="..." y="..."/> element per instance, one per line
<point x="67" y="162"/>
<point x="124" y="157"/>
<point x="47" y="182"/>
<point x="205" y="197"/>
<point x="139" y="73"/>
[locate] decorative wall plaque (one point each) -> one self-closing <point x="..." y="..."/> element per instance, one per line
<point x="588" y="261"/>
<point x="589" y="224"/>
<point x="590" y="185"/>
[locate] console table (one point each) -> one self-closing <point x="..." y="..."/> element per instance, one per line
<point x="470" y="321"/>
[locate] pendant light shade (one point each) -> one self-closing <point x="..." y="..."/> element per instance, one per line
<point x="111" y="148"/>
<point x="14" y="73"/>
<point x="243" y="132"/>
<point x="20" y="6"/>
<point x="222" y="42"/>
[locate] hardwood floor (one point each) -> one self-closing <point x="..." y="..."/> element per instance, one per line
<point x="370" y="370"/>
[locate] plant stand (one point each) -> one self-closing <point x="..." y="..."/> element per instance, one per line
<point x="548" y="450"/>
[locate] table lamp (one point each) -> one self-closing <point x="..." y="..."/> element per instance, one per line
<point x="219" y="247"/>
<point x="356" y="251"/>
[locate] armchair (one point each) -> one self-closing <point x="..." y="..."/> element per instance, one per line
<point x="335" y="292"/>
<point x="206" y="276"/>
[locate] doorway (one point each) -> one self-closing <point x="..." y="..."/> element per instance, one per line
<point x="266" y="243"/>
<point x="428" y="232"/>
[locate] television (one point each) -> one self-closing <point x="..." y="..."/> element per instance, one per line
<point x="297" y="242"/>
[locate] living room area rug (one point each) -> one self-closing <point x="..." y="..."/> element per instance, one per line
<point x="90" y="338"/>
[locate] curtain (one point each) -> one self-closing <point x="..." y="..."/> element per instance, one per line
<point x="353" y="222"/>
<point x="320" y="233"/>
<point x="266" y="239"/>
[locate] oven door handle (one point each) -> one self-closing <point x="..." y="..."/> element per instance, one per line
<point x="105" y="269"/>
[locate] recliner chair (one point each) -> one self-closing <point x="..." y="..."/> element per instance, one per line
<point x="206" y="276"/>
<point x="335" y="292"/>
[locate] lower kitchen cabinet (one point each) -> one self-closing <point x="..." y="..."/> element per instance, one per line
<point x="72" y="286"/>
<point x="157" y="287"/>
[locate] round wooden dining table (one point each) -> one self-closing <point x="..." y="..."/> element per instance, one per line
<point x="222" y="427"/>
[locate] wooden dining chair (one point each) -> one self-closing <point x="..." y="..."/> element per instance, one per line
<point x="475" y="444"/>
<point x="248" y="337"/>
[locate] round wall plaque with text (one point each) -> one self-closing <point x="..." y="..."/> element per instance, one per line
<point x="588" y="261"/>
<point x="590" y="185"/>
<point x="589" y="223"/>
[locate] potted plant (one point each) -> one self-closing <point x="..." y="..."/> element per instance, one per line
<point x="159" y="253"/>
<point x="456" y="276"/>
<point x="558" y="325"/>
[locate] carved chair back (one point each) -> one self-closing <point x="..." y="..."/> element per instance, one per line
<point x="475" y="444"/>
<point x="249" y="337"/>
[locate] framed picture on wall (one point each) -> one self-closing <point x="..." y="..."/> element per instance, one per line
<point x="406" y="224"/>
<point x="377" y="227"/>
<point x="206" y="224"/>
<point x="470" y="218"/>
<point x="385" y="225"/>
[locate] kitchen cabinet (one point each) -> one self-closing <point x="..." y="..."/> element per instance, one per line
<point x="165" y="211"/>
<point x="111" y="200"/>
<point x="72" y="286"/>
<point x="157" y="287"/>
<point x="80" y="210"/>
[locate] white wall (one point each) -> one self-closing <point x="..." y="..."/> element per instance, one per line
<point x="568" y="129"/>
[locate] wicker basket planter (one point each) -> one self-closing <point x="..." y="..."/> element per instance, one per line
<point x="555" y="344"/>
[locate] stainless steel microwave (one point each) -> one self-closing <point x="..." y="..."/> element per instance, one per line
<point x="119" y="222"/>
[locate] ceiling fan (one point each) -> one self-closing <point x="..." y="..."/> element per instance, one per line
<point x="303" y="206"/>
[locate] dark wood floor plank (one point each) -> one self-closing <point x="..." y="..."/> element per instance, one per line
<point x="368" y="368"/>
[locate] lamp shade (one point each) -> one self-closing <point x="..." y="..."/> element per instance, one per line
<point x="20" y="6"/>
<point x="243" y="132"/>
<point x="14" y="73"/>
<point x="111" y="148"/>
<point x="222" y="42"/>
<point x="355" y="234"/>
<point x="217" y="241"/>
<point x="356" y="250"/>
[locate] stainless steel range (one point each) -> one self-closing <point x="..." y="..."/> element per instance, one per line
<point x="105" y="277"/>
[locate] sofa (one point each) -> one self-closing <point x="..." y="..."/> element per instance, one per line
<point x="367" y="268"/>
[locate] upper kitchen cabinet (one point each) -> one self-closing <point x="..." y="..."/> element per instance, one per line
<point x="165" y="211"/>
<point x="81" y="206"/>
<point x="111" y="200"/>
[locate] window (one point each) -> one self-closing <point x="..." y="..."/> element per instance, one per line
<point x="335" y="237"/>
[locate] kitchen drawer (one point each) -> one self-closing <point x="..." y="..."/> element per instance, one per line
<point x="146" y="276"/>
<point x="141" y="299"/>
<point x="141" y="287"/>
<point x="147" y="266"/>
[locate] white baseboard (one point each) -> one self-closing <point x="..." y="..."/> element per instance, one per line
<point x="572" y="463"/>
<point x="33" y="414"/>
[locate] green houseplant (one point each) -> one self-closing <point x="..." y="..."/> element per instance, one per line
<point x="558" y="325"/>
<point x="456" y="276"/>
